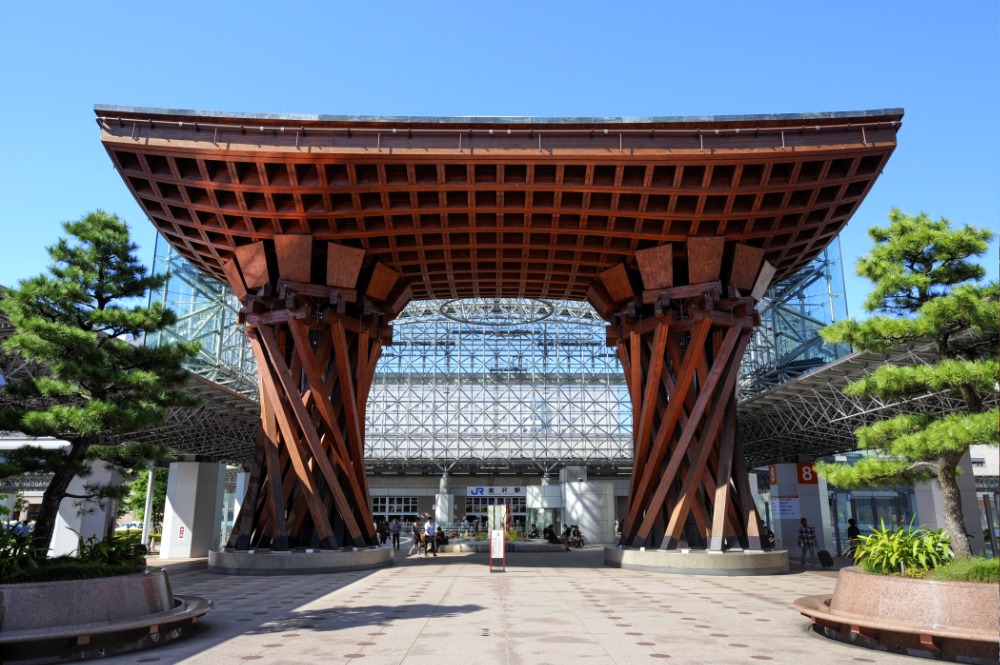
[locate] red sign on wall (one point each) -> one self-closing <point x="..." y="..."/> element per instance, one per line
<point x="180" y="532"/>
<point x="773" y="471"/>
<point x="806" y="474"/>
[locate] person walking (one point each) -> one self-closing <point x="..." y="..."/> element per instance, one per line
<point x="853" y="534"/>
<point x="394" y="529"/>
<point x="416" y="530"/>
<point x="429" y="531"/>
<point x="807" y="541"/>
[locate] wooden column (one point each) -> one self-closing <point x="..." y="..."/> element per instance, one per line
<point x="317" y="336"/>
<point x="680" y="345"/>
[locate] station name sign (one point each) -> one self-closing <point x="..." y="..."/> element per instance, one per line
<point x="492" y="490"/>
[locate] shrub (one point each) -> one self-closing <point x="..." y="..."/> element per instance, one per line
<point x="911" y="552"/>
<point x="513" y="535"/>
<point x="968" y="569"/>
<point x="95" y="558"/>
<point x="479" y="536"/>
<point x="16" y="558"/>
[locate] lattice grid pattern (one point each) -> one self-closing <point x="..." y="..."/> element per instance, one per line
<point x="520" y="207"/>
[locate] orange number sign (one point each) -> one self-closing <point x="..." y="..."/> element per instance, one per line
<point x="806" y="474"/>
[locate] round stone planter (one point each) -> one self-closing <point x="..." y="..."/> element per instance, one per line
<point x="698" y="562"/>
<point x="267" y="562"/>
<point x="56" y="621"/>
<point x="946" y="620"/>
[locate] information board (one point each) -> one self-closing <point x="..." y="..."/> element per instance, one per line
<point x="786" y="507"/>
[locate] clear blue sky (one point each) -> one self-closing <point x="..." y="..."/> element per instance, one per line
<point x="939" y="61"/>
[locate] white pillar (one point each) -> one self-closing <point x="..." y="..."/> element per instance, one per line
<point x="444" y="502"/>
<point x="147" y="513"/>
<point x="590" y="506"/>
<point x="930" y="512"/>
<point x="797" y="491"/>
<point x="193" y="512"/>
<point x="240" y="493"/>
<point x="89" y="519"/>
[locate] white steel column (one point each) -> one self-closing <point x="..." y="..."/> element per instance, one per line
<point x="797" y="491"/>
<point x="84" y="519"/>
<point x="193" y="512"/>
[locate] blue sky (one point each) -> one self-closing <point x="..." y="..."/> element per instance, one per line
<point x="939" y="61"/>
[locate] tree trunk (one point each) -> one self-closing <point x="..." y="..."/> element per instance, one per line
<point x="952" y="505"/>
<point x="45" y="523"/>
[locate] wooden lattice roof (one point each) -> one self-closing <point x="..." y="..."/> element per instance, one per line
<point x="483" y="207"/>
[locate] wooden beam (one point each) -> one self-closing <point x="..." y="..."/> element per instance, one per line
<point x="294" y="257"/>
<point x="289" y="384"/>
<point x="666" y="429"/>
<point x="763" y="281"/>
<point x="656" y="265"/>
<point x="252" y="261"/>
<point x="615" y="279"/>
<point x="343" y="264"/>
<point x="325" y="411"/>
<point x="729" y="363"/>
<point x="723" y="474"/>
<point x="235" y="279"/>
<point x="382" y="282"/>
<point x="704" y="257"/>
<point x="306" y="483"/>
<point x="746" y="264"/>
<point x="705" y="395"/>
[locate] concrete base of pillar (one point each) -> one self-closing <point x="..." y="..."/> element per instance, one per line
<point x="698" y="562"/>
<point x="266" y="562"/>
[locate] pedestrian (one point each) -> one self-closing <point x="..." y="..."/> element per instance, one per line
<point x="429" y="531"/>
<point x="394" y="529"/>
<point x="807" y="541"/>
<point x="21" y="532"/>
<point x="383" y="532"/>
<point x="417" y="531"/>
<point x="853" y="534"/>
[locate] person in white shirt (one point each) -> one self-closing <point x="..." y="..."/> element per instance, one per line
<point x="429" y="530"/>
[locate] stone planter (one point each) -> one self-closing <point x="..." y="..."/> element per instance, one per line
<point x="55" y="621"/>
<point x="945" y="620"/>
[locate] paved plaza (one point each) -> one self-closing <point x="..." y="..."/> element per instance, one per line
<point x="547" y="608"/>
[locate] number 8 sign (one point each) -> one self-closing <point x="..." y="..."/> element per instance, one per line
<point x="807" y="474"/>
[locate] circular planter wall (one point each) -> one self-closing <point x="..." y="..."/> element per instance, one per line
<point x="56" y="621"/>
<point x="946" y="620"/>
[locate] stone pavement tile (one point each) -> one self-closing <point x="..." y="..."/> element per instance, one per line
<point x="545" y="609"/>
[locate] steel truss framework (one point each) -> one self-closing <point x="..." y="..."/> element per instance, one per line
<point x="497" y="390"/>
<point x="787" y="344"/>
<point x="812" y="417"/>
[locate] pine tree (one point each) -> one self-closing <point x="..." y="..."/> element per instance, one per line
<point x="925" y="288"/>
<point x="80" y="322"/>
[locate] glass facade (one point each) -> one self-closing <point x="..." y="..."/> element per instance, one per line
<point x="498" y="386"/>
<point x="787" y="344"/>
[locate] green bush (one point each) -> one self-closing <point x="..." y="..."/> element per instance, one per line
<point x="513" y="535"/>
<point x="95" y="558"/>
<point x="16" y="558"/>
<point x="968" y="569"/>
<point x="68" y="568"/>
<point x="910" y="552"/>
<point x="479" y="536"/>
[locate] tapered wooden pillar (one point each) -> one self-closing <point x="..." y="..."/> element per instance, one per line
<point x="680" y="345"/>
<point x="316" y="318"/>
